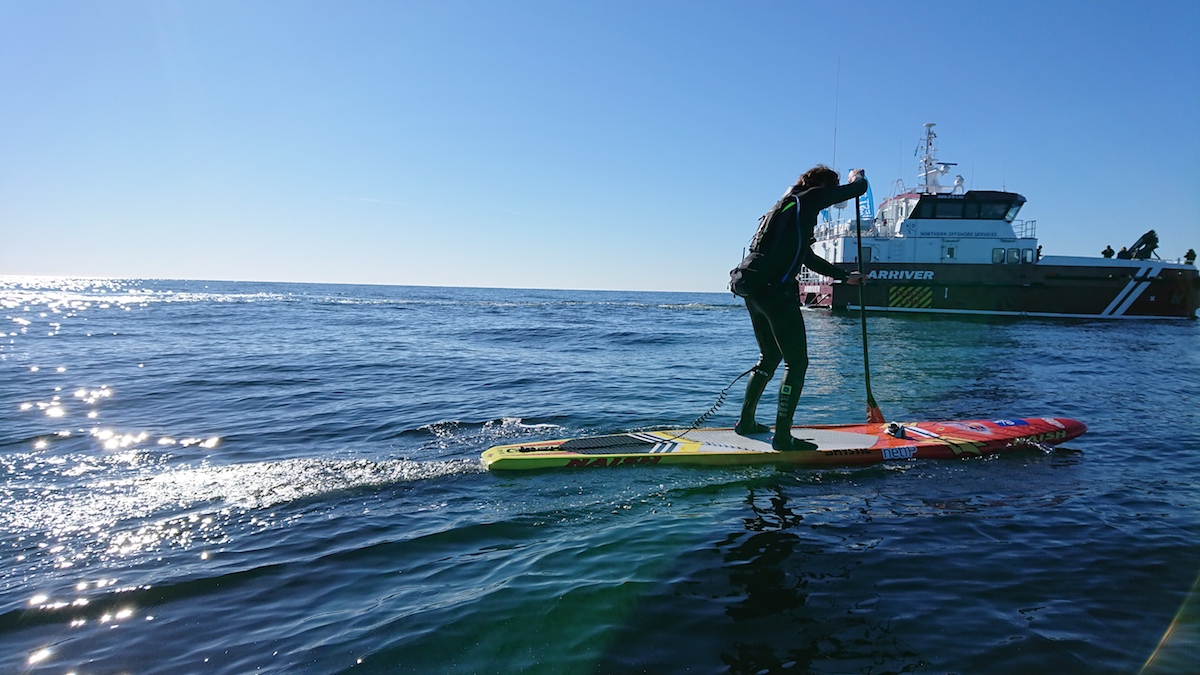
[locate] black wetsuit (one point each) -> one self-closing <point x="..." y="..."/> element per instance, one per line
<point x="784" y="241"/>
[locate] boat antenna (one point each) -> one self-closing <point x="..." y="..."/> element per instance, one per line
<point x="837" y="88"/>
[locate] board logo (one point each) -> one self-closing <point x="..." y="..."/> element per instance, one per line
<point x="899" y="453"/>
<point x="845" y="452"/>
<point x="1010" y="423"/>
<point x="1055" y="422"/>
<point x="1048" y="436"/>
<point x="916" y="275"/>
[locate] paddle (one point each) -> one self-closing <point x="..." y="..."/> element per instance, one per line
<point x="873" y="412"/>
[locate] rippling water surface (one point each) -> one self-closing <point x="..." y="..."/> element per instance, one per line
<point x="243" y="477"/>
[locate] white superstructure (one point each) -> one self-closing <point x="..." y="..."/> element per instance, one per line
<point x="935" y="223"/>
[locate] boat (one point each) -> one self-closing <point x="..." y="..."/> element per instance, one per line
<point x="943" y="249"/>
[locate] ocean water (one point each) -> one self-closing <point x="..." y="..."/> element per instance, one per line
<point x="214" y="477"/>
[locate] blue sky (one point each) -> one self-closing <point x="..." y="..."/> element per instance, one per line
<point x="603" y="145"/>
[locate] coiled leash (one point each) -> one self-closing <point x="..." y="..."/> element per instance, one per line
<point x="713" y="410"/>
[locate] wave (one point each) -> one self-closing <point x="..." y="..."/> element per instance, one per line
<point x="100" y="505"/>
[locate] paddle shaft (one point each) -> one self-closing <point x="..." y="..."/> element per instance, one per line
<point x="873" y="412"/>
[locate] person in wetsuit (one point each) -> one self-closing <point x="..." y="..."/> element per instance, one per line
<point x="767" y="281"/>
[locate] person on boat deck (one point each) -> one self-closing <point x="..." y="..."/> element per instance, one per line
<point x="767" y="281"/>
<point x="1123" y="254"/>
<point x="1107" y="252"/>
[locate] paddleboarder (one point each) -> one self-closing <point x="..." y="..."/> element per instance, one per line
<point x="766" y="279"/>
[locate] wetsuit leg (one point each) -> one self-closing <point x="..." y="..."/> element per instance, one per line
<point x="747" y="426"/>
<point x="782" y="312"/>
<point x="768" y="360"/>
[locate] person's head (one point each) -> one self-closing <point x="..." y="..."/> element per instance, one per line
<point x="818" y="176"/>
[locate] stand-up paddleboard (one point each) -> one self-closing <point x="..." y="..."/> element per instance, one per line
<point x="836" y="445"/>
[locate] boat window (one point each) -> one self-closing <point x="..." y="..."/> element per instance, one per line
<point x="924" y="209"/>
<point x="1012" y="212"/>
<point x="950" y="209"/>
<point x="1027" y="255"/>
<point x="994" y="210"/>
<point x="866" y="254"/>
<point x="949" y="251"/>
<point x="972" y="210"/>
<point x="1014" y="255"/>
<point x="997" y="255"/>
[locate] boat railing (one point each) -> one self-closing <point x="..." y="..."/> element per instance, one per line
<point x="845" y="228"/>
<point x="810" y="277"/>
<point x="1022" y="229"/>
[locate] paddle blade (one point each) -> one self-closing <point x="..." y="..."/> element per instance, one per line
<point x="874" y="414"/>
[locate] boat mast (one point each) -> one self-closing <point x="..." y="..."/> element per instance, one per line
<point x="931" y="168"/>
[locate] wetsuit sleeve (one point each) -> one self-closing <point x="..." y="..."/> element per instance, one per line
<point x="823" y="198"/>
<point x="822" y="266"/>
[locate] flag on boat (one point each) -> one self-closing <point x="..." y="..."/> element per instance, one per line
<point x="866" y="204"/>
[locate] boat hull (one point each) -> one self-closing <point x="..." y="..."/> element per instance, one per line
<point x="1132" y="290"/>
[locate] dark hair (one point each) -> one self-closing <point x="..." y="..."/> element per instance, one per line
<point x="818" y="176"/>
